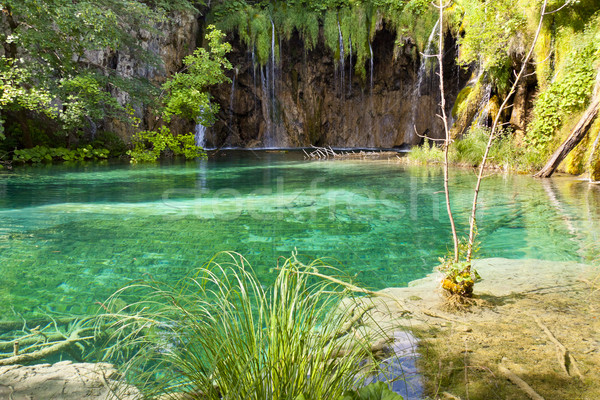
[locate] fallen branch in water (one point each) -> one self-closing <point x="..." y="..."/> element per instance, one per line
<point x="320" y="153"/>
<point x="565" y="359"/>
<point x="511" y="376"/>
<point x="58" y="343"/>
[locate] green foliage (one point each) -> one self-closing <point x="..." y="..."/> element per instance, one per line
<point x="16" y="93"/>
<point x="110" y="141"/>
<point x="187" y="92"/>
<point x="40" y="154"/>
<point x="84" y="99"/>
<point x="374" y="391"/>
<point x="468" y="151"/>
<point x="426" y="153"/>
<point x="187" y="96"/>
<point x="569" y="92"/>
<point x="222" y="333"/>
<point x="490" y="29"/>
<point x="491" y="34"/>
<point x="151" y="145"/>
<point x="331" y="33"/>
<point x="356" y="20"/>
<point x="459" y="276"/>
<point x="48" y="65"/>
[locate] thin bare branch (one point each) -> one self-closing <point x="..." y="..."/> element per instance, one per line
<point x="513" y="89"/>
<point x="446" y="129"/>
<point x="568" y="2"/>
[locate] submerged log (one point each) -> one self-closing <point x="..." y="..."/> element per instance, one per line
<point x="577" y="134"/>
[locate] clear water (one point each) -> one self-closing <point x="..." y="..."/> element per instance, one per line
<point x="72" y="235"/>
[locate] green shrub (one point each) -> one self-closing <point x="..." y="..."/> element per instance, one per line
<point x="221" y="333"/>
<point x="469" y="150"/>
<point x="110" y="141"/>
<point x="427" y="153"/>
<point x="151" y="145"/>
<point x="569" y="92"/>
<point x="40" y="154"/>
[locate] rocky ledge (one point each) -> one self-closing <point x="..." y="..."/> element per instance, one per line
<point x="63" y="380"/>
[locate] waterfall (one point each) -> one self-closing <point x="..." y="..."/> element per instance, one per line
<point x="273" y="65"/>
<point x="420" y="77"/>
<point x="371" y="107"/>
<point x="254" y="75"/>
<point x="341" y="40"/>
<point x="350" y="71"/>
<point x="266" y="106"/>
<point x="371" y="83"/>
<point x="253" y="66"/>
<point x="484" y="106"/>
<point x="200" y="135"/>
<point x="231" y="98"/>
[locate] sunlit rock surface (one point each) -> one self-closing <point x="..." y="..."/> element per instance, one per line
<point x="63" y="380"/>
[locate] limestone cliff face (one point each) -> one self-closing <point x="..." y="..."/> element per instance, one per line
<point x="306" y="100"/>
<point x="177" y="39"/>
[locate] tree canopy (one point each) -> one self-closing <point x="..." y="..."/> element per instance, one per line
<point x="48" y="63"/>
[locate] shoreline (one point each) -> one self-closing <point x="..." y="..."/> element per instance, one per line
<point x="527" y="309"/>
<point x="530" y="313"/>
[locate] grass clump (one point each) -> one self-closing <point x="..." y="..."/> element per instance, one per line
<point x="468" y="151"/>
<point x="220" y="334"/>
<point x="427" y="153"/>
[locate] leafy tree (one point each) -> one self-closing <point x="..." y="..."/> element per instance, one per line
<point x="47" y="68"/>
<point x="188" y="91"/>
<point x="187" y="96"/>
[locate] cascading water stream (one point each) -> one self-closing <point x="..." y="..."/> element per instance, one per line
<point x="342" y="57"/>
<point x="371" y="82"/>
<point x="350" y="71"/>
<point x="484" y="106"/>
<point x="423" y="72"/>
<point x="200" y="135"/>
<point x="232" y="97"/>
<point x="254" y="75"/>
<point x="264" y="80"/>
<point x="273" y="68"/>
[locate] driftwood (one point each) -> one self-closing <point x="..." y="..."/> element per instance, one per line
<point x="31" y="339"/>
<point x="47" y="344"/>
<point x="511" y="376"/>
<point x="565" y="359"/>
<point x="6" y="326"/>
<point x="577" y="134"/>
<point x="320" y="153"/>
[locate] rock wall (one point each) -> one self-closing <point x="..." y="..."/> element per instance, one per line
<point x="307" y="100"/>
<point x="178" y="39"/>
<point x="64" y="381"/>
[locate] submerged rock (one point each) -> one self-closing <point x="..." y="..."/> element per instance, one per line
<point x="63" y="380"/>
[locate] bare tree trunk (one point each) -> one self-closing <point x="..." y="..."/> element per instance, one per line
<point x="494" y="132"/>
<point x="577" y="134"/>
<point x="444" y="117"/>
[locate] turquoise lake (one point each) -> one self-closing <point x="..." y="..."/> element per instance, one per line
<point x="71" y="235"/>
